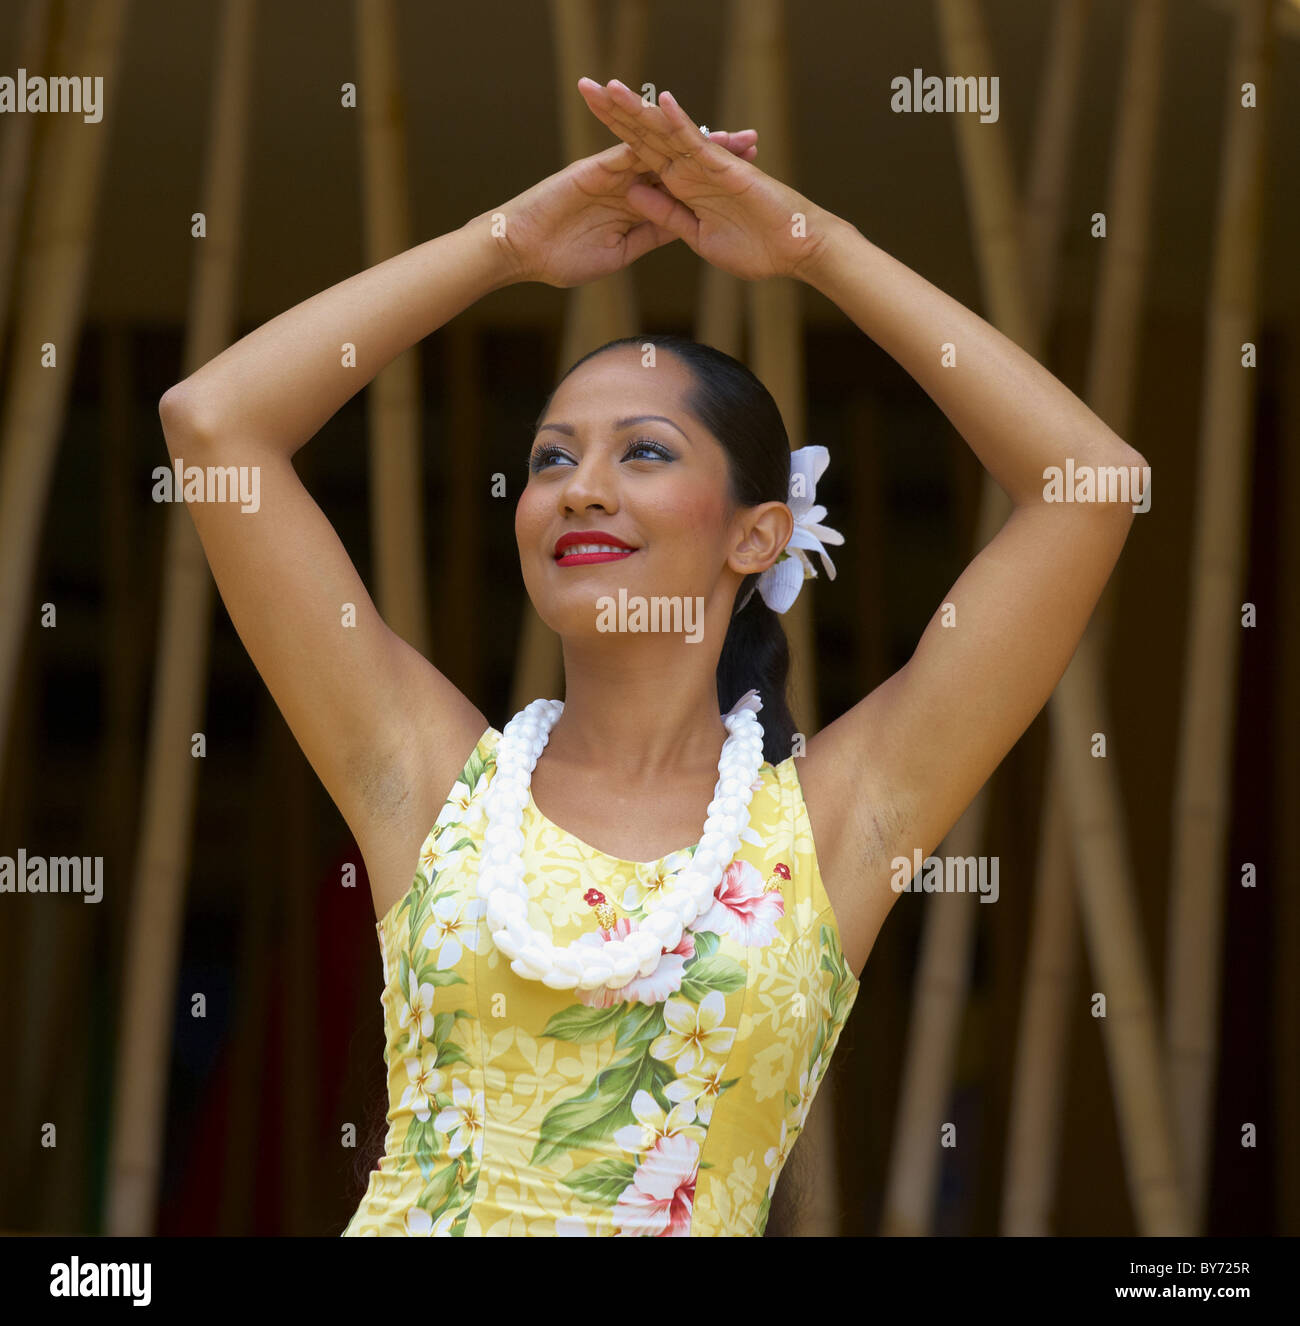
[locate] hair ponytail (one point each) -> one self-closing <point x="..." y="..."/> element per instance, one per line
<point x="756" y="654"/>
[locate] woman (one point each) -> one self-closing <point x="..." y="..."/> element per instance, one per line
<point x="597" y="1022"/>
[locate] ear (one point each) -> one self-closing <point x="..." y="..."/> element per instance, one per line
<point x="762" y="533"/>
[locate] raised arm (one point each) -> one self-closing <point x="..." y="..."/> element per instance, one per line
<point x="910" y="757"/>
<point x="354" y="694"/>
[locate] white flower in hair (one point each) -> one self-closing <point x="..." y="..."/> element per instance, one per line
<point x="781" y="582"/>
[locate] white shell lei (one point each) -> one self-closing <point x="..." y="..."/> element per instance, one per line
<point x="685" y="897"/>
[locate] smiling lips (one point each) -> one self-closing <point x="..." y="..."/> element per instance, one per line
<point x="587" y="547"/>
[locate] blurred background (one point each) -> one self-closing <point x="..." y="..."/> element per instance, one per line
<point x="184" y="1056"/>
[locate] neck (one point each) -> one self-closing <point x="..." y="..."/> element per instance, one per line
<point x="641" y="711"/>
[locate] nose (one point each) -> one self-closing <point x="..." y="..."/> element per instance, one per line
<point x="589" y="484"/>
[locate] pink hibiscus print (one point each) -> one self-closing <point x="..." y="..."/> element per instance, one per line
<point x="665" y="980"/>
<point x="741" y="910"/>
<point x="661" y="1196"/>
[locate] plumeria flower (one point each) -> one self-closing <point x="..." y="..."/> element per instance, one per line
<point x="702" y="1086"/>
<point x="428" y="855"/>
<point x="661" y="1195"/>
<point x="425" y="1080"/>
<point x="416" y="1010"/>
<point x="741" y="910"/>
<point x="647" y="890"/>
<point x="693" y="1034"/>
<point x="781" y="582"/>
<point x="452" y="928"/>
<point x="464" y="1119"/>
<point x="652" y="1123"/>
<point x="465" y="804"/>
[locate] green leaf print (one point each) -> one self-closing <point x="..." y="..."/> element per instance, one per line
<point x="473" y="770"/>
<point x="421" y="1140"/>
<point x="440" y="1190"/>
<point x="603" y="1182"/>
<point x="444" y="1022"/>
<point x="706" y="945"/>
<point x="715" y="973"/>
<point x="430" y="975"/>
<point x="581" y="1024"/>
<point x="453" y="1054"/>
<point x="639" y="1025"/>
<point x="603" y="1108"/>
<point x="464" y="842"/>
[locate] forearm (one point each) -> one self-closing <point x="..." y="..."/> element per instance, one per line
<point x="279" y="384"/>
<point x="1017" y="418"/>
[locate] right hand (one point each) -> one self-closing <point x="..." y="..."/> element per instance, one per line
<point x="576" y="226"/>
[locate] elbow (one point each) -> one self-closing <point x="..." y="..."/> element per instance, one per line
<point x="184" y="422"/>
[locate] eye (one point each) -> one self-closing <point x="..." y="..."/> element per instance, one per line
<point x="542" y="455"/>
<point x="548" y="451"/>
<point x="648" y="444"/>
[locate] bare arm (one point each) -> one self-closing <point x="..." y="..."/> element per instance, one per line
<point x="911" y="756"/>
<point x="276" y="387"/>
<point x="361" y="702"/>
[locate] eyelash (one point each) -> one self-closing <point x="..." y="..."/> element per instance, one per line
<point x="545" y="452"/>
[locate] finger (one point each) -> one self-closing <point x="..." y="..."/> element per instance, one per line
<point x="644" y="237"/>
<point x="684" y="133"/>
<point x="737" y="141"/>
<point x="644" y="128"/>
<point x="664" y="211"/>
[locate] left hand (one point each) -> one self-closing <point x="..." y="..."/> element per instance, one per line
<point x="726" y="209"/>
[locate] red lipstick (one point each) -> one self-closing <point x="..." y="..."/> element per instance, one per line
<point x="611" y="548"/>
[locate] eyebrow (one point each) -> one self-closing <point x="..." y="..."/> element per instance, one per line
<point x="568" y="429"/>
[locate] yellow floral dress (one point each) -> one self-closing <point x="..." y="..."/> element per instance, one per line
<point x="667" y="1107"/>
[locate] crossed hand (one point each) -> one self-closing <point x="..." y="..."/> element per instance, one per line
<point x="665" y="180"/>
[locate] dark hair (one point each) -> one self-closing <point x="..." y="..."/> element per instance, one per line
<point x="740" y="412"/>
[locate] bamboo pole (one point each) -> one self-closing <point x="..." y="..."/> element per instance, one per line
<point x="1042" y="1047"/>
<point x="15" y="152"/>
<point x="775" y="311"/>
<point x="776" y="358"/>
<point x="393" y="397"/>
<point x="51" y="291"/>
<point x="943" y="971"/>
<point x="720" y="316"/>
<point x="66" y="1186"/>
<point x="1286" y="782"/>
<point x="52" y="270"/>
<point x="596" y="312"/>
<point x="180" y="690"/>
<point x="462" y="526"/>
<point x="1046" y="192"/>
<point x="1201" y="875"/>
